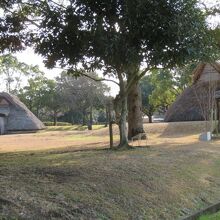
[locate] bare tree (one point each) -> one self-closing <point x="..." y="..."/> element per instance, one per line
<point x="205" y="96"/>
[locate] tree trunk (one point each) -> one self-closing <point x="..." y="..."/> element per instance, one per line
<point x="122" y="124"/>
<point x="150" y="117"/>
<point x="135" y="114"/>
<point x="107" y="111"/>
<point x="84" y="118"/>
<point x="55" y="119"/>
<point x="110" y="129"/>
<point x="120" y="106"/>
<point x="90" y="119"/>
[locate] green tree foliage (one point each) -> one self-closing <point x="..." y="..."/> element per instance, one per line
<point x="161" y="87"/>
<point x="147" y="88"/>
<point x="42" y="97"/>
<point x="12" y="72"/>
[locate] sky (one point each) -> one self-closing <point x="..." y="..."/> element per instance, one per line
<point x="28" y="56"/>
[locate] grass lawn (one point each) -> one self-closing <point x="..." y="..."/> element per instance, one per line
<point x="176" y="176"/>
<point x="211" y="217"/>
<point x="73" y="128"/>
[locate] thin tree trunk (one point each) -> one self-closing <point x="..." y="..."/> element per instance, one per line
<point x="135" y="114"/>
<point x="110" y="128"/>
<point x="107" y="111"/>
<point x="122" y="124"/>
<point x="55" y="119"/>
<point x="84" y="119"/>
<point x="90" y="119"/>
<point x="150" y="118"/>
<point x="120" y="106"/>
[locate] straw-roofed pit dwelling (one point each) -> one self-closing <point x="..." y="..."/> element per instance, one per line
<point x="195" y="101"/>
<point x="15" y="116"/>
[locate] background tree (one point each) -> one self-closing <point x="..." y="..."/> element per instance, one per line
<point x="41" y="97"/>
<point x="83" y="95"/>
<point x="147" y="87"/>
<point x="161" y="87"/>
<point x="53" y="100"/>
<point x="12" y="73"/>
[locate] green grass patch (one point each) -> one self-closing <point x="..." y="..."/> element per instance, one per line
<point x="215" y="216"/>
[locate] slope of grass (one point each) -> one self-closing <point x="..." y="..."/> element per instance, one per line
<point x="156" y="183"/>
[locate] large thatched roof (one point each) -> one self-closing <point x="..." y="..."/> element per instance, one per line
<point x="187" y="106"/>
<point x="17" y="116"/>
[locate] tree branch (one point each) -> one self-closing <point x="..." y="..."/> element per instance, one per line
<point x="26" y="19"/>
<point x="81" y="73"/>
<point x="99" y="79"/>
<point x="135" y="79"/>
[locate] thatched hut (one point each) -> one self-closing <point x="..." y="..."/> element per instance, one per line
<point x="15" y="116"/>
<point x="190" y="105"/>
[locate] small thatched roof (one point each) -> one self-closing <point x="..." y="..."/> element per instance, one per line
<point x="17" y="116"/>
<point x="187" y="106"/>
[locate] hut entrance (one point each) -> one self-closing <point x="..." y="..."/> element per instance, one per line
<point x="2" y="124"/>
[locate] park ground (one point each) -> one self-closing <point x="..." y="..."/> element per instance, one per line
<point x="63" y="173"/>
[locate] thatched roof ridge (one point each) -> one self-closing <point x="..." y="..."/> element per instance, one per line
<point x="198" y="71"/>
<point x="216" y="66"/>
<point x="200" y="68"/>
<point x="20" y="117"/>
<point x="14" y="100"/>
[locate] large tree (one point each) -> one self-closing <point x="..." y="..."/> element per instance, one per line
<point x="124" y="39"/>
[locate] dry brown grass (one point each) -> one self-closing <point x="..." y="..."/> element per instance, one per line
<point x="158" y="134"/>
<point x="175" y="176"/>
